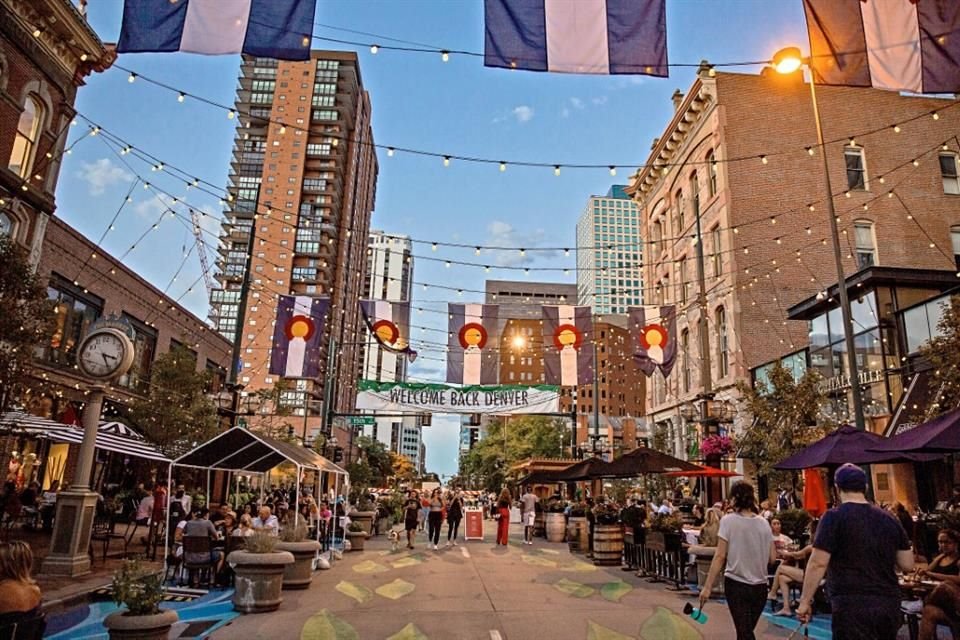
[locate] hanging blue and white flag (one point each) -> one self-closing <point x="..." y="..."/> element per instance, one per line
<point x="279" y="29"/>
<point x="577" y="36"/>
<point x="900" y="45"/>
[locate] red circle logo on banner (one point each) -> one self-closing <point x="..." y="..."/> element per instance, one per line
<point x="386" y="331"/>
<point x="653" y="335"/>
<point x="567" y="335"/>
<point x="300" y="326"/>
<point x="473" y="334"/>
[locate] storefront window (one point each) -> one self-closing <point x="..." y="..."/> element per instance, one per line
<point x="819" y="334"/>
<point x="74" y="314"/>
<point x="863" y="312"/>
<point x="145" y="347"/>
<point x="820" y="362"/>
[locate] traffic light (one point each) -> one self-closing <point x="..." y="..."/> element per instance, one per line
<point x="338" y="454"/>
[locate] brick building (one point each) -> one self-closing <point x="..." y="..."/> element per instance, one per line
<point x="304" y="161"/>
<point x="740" y="153"/>
<point x="46" y="50"/>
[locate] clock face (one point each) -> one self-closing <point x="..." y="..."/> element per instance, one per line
<point x="102" y="355"/>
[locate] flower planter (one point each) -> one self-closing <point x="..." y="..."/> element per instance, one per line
<point x="123" y="626"/>
<point x="364" y="519"/>
<point x="356" y="538"/>
<point x="556" y="525"/>
<point x="578" y="534"/>
<point x="665" y="542"/>
<point x="607" y="544"/>
<point x="259" y="579"/>
<point x="299" y="574"/>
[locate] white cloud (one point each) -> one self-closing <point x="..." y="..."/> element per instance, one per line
<point x="599" y="100"/>
<point x="565" y="112"/>
<point x="523" y="113"/>
<point x="577" y="103"/>
<point x="500" y="233"/>
<point x="150" y="209"/>
<point x="102" y="174"/>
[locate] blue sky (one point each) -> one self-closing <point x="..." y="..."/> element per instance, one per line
<point x="458" y="107"/>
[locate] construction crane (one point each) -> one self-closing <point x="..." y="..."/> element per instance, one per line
<point x="202" y="252"/>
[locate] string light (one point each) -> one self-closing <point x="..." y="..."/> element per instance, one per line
<point x="810" y="151"/>
<point x="613" y="170"/>
<point x="374" y="48"/>
<point x="556" y="170"/>
<point x="936" y="116"/>
<point x="896" y="128"/>
<point x="446" y="161"/>
<point x="132" y="78"/>
<point x="181" y="97"/>
<point x="763" y="159"/>
<point x="445" y="56"/>
<point x="390" y="152"/>
<point x="230" y="114"/>
<point x="503" y="166"/>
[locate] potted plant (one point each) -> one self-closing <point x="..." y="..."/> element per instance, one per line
<point x="293" y="538"/>
<point x="363" y="515"/>
<point x="259" y="570"/>
<point x="794" y="523"/>
<point x="555" y="520"/>
<point x="665" y="533"/>
<point x="607" y="535"/>
<point x="356" y="535"/>
<point x="140" y="591"/>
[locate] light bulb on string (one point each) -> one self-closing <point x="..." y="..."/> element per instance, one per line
<point x="763" y="159"/>
<point x="935" y="115"/>
<point x="433" y="246"/>
<point x="446" y="161"/>
<point x="374" y="48"/>
<point x="181" y="97"/>
<point x="230" y="114"/>
<point x="613" y="170"/>
<point x="390" y="151"/>
<point x="810" y="151"/>
<point x="445" y="56"/>
<point x="503" y="166"/>
<point x="132" y="78"/>
<point x="556" y="170"/>
<point x="896" y="128"/>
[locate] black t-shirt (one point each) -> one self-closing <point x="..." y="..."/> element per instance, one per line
<point x="410" y="509"/>
<point x="863" y="541"/>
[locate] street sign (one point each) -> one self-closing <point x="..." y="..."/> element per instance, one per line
<point x="362" y="420"/>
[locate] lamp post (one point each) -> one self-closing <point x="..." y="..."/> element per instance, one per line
<point x="788" y="61"/>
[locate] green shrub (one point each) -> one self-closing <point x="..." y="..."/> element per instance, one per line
<point x="261" y="542"/>
<point x="794" y="522"/>
<point x="137" y="588"/>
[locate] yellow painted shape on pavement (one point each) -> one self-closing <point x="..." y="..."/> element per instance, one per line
<point x="409" y="561"/>
<point x="667" y="625"/>
<point x="326" y="626"/>
<point x="574" y="589"/>
<point x="409" y="632"/>
<point x="599" y="632"/>
<point x="396" y="589"/>
<point x="550" y="551"/>
<point x="613" y="591"/>
<point x="355" y="591"/>
<point x="538" y="561"/>
<point x="369" y="566"/>
<point x="579" y="565"/>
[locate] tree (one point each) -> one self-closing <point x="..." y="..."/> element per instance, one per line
<point x="177" y="412"/>
<point x="786" y="417"/>
<point x="507" y="443"/>
<point x="402" y="468"/>
<point x="27" y="318"/>
<point x="273" y="412"/>
<point x="943" y="354"/>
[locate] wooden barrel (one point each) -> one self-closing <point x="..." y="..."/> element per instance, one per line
<point x="556" y="525"/>
<point x="607" y="544"/>
<point x="539" y="524"/>
<point x="577" y="534"/>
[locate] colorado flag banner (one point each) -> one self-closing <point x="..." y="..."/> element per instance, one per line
<point x="473" y="344"/>
<point x="389" y="324"/>
<point x="655" y="343"/>
<point x="901" y="45"/>
<point x="296" y="336"/>
<point x="577" y="36"/>
<point x="280" y="29"/>
<point x="567" y="358"/>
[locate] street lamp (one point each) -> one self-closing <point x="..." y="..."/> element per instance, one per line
<point x="789" y="60"/>
<point x="233" y="402"/>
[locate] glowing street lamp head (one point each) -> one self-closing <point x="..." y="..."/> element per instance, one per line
<point x="787" y="60"/>
<point x="518" y="342"/>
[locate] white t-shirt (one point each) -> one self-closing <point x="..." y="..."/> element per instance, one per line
<point x="748" y="547"/>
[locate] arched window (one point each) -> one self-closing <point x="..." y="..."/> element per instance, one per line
<point x="695" y="194"/>
<point x="685" y="350"/>
<point x="657" y="236"/>
<point x="6" y="225"/>
<point x="723" y="354"/>
<point x="712" y="172"/>
<point x="866" y="243"/>
<point x="680" y="219"/>
<point x="28" y="133"/>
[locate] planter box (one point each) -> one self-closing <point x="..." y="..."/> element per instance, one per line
<point x="664" y="542"/>
<point x="153" y="627"/>
<point x="299" y="574"/>
<point x="259" y="579"/>
<point x="356" y="538"/>
<point x="364" y="519"/>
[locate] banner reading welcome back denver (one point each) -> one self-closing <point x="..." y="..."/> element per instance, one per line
<point x="396" y="397"/>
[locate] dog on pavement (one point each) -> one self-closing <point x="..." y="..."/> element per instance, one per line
<point x="394" y="536"/>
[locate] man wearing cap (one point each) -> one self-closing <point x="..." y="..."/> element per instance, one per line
<point x="858" y="546"/>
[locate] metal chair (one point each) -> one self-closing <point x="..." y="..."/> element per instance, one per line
<point x="200" y="547"/>
<point x="103" y="531"/>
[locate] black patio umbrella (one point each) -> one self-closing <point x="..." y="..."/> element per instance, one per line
<point x="847" y="444"/>
<point x="938" y="436"/>
<point x="544" y="476"/>
<point x="587" y="469"/>
<point x="642" y="461"/>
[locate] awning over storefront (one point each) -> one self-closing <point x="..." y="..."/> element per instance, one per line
<point x="238" y="449"/>
<point x="109" y="436"/>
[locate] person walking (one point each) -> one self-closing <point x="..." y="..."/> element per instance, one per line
<point x="454" y="515"/>
<point x="528" y="503"/>
<point x="435" y="518"/>
<point x="858" y="546"/>
<point x="411" y="517"/>
<point x="503" y="516"/>
<point x="745" y="547"/>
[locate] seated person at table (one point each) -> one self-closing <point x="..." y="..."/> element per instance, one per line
<point x="789" y="572"/>
<point x="19" y="594"/>
<point x="780" y="539"/>
<point x="245" y="528"/>
<point x="265" y="520"/>
<point x="28" y="497"/>
<point x="943" y="603"/>
<point x="227" y="525"/>
<point x="709" y="532"/>
<point x="200" y="526"/>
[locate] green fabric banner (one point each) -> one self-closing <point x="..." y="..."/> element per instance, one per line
<point x="398" y="397"/>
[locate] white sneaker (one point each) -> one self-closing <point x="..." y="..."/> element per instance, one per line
<point x="454" y="543"/>
<point x="436" y="548"/>
<point x="448" y="544"/>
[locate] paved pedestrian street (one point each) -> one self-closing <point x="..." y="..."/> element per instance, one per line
<point x="477" y="590"/>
